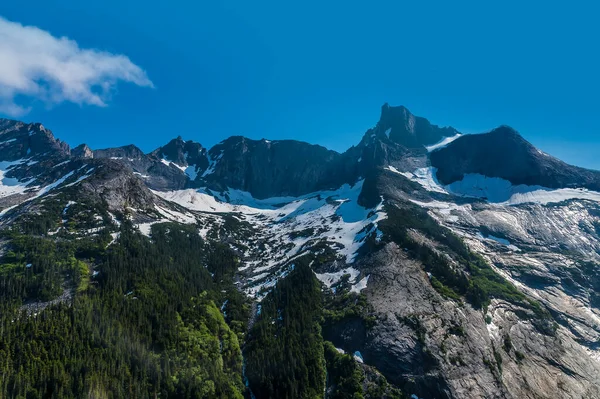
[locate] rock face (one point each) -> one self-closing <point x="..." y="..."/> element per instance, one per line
<point x="184" y="153"/>
<point x="117" y="187"/>
<point x="463" y="352"/>
<point x="33" y="163"/>
<point x="273" y="168"/>
<point x="157" y="174"/>
<point x="505" y="154"/>
<point x="20" y="140"/>
<point x="128" y="152"/>
<point x="82" y="151"/>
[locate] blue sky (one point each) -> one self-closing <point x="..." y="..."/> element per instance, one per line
<point x="320" y="71"/>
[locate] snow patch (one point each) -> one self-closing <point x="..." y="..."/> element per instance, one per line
<point x="394" y="170"/>
<point x="169" y="163"/>
<point x="497" y="190"/>
<point x="145" y="228"/>
<point x="119" y="158"/>
<point x="330" y="279"/>
<point x="81" y="178"/>
<point x="57" y="183"/>
<point x="442" y="143"/>
<point x="175" y="216"/>
<point x="358" y="357"/>
<point x="115" y="237"/>
<point x="11" y="185"/>
<point x="361" y="285"/>
<point x="426" y="177"/>
<point x="64" y="212"/>
<point x="212" y="164"/>
<point x="191" y="172"/>
<point x="499" y="240"/>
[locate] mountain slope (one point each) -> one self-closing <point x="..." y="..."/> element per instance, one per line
<point x="503" y="153"/>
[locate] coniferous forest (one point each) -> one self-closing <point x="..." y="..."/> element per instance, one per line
<point x="148" y="324"/>
<point x="159" y="317"/>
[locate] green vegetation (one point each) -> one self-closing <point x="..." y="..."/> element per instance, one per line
<point x="148" y="325"/>
<point x="507" y="344"/>
<point x="39" y="268"/>
<point x="301" y="233"/>
<point x="498" y="358"/>
<point x="284" y="350"/>
<point x="164" y="319"/>
<point x="520" y="356"/>
<point x="446" y="279"/>
<point x="347" y="379"/>
<point x="82" y="276"/>
<point x="285" y="353"/>
<point x="344" y="305"/>
<point x="344" y="375"/>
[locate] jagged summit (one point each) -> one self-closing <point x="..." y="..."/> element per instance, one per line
<point x="19" y="140"/>
<point x="82" y="151"/>
<point x="183" y="153"/>
<point x="404" y="128"/>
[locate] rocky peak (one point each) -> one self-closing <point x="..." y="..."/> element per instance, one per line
<point x="399" y="116"/>
<point x="402" y="127"/>
<point x="82" y="151"/>
<point x="505" y="130"/>
<point x="19" y="140"/>
<point x="183" y="153"/>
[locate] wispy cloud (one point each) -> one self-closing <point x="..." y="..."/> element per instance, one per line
<point x="36" y="65"/>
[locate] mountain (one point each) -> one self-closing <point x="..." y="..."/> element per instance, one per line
<point x="23" y="139"/>
<point x="420" y="262"/>
<point x="409" y="130"/>
<point x="267" y="168"/>
<point x="504" y="154"/>
<point x="187" y="155"/>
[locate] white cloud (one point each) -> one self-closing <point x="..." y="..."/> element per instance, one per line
<point x="36" y="65"/>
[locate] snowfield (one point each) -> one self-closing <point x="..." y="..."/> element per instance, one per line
<point x="496" y="190"/>
<point x="8" y="185"/>
<point x="288" y="226"/>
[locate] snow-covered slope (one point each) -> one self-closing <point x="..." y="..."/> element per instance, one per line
<point x="287" y="227"/>
<point x="495" y="189"/>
